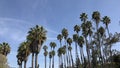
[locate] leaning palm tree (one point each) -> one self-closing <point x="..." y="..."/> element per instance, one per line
<point x="45" y="53"/>
<point x="5" y="48"/>
<point x="106" y="20"/>
<point x="36" y="36"/>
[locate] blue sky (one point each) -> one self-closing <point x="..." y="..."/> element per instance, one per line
<point x="17" y="16"/>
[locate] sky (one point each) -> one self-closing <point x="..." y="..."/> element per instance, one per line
<point x="18" y="16"/>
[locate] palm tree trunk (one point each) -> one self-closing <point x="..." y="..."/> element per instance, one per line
<point x="50" y="63"/>
<point x="32" y="60"/>
<point x="59" y="62"/>
<point x="64" y="62"/>
<point x="20" y="66"/>
<point x="88" y="52"/>
<point x="25" y="64"/>
<point x="72" y="60"/>
<point x="45" y="61"/>
<point x="36" y="60"/>
<point x="53" y="62"/>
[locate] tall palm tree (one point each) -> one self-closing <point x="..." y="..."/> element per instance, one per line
<point x="53" y="45"/>
<point x="65" y="35"/>
<point x="60" y="51"/>
<point x="37" y="36"/>
<point x="80" y="43"/>
<point x="60" y="37"/>
<point x="45" y="53"/>
<point x="75" y="39"/>
<point x="64" y="53"/>
<point x="69" y="41"/>
<point x="50" y="57"/>
<point x="24" y="52"/>
<point x="106" y="20"/>
<point x="96" y="18"/>
<point x="5" y="48"/>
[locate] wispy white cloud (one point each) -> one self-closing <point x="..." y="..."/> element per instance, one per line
<point x="15" y="29"/>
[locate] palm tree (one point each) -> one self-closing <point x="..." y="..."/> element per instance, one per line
<point x="80" y="43"/>
<point x="60" y="57"/>
<point x="37" y="36"/>
<point x="5" y="48"/>
<point x="19" y="59"/>
<point x="24" y="52"/>
<point x="106" y="20"/>
<point x="45" y="53"/>
<point x="96" y="18"/>
<point x="60" y="37"/>
<point x="65" y="35"/>
<point x="50" y="56"/>
<point x="75" y="39"/>
<point x="64" y="52"/>
<point x="69" y="41"/>
<point x="77" y="28"/>
<point x="53" y="45"/>
<point x="83" y="17"/>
